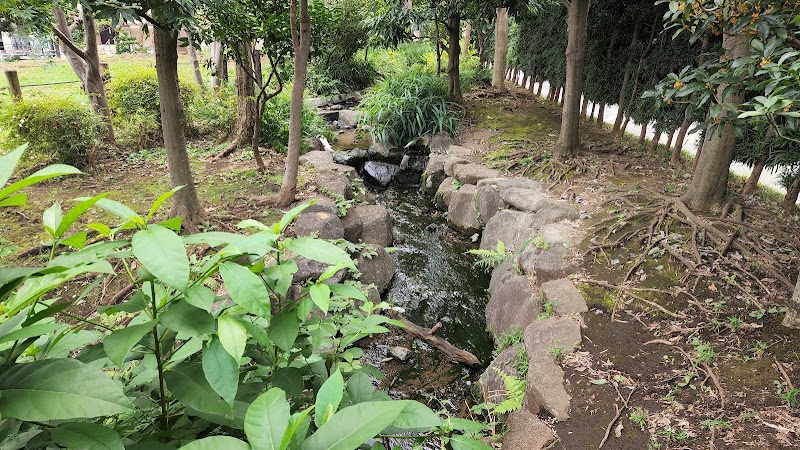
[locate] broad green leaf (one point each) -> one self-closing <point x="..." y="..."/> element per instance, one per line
<point x="297" y="429"/>
<point x="162" y="253"/>
<point x="246" y="289"/>
<point x="266" y="420"/>
<point x="290" y="379"/>
<point x="217" y="443"/>
<point x="321" y="251"/>
<point x="414" y="418"/>
<point x="77" y="240"/>
<point x="8" y="163"/>
<point x="232" y="335"/>
<point x="461" y="442"/>
<point x="328" y="398"/>
<point x="119" y="343"/>
<point x="359" y="387"/>
<point x="221" y="370"/>
<point x="283" y="329"/>
<point x="160" y="201"/>
<point x="173" y="224"/>
<point x="119" y="210"/>
<point x="90" y="436"/>
<point x="200" y="297"/>
<point x="456" y="423"/>
<point x="76" y="212"/>
<point x="250" y="223"/>
<point x="352" y="426"/>
<point x="347" y="291"/>
<point x="52" y="217"/>
<point x="55" y="170"/>
<point x="59" y="389"/>
<point x="31" y="331"/>
<point x="294" y="212"/>
<point x="186" y="350"/>
<point x="211" y="238"/>
<point x="187" y="320"/>
<point x="101" y="228"/>
<point x="15" y="200"/>
<point x="321" y="296"/>
<point x="189" y="385"/>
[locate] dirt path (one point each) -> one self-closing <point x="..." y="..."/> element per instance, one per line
<point x="701" y="352"/>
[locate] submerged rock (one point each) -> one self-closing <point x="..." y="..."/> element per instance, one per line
<point x="400" y="353"/>
<point x="353" y="158"/>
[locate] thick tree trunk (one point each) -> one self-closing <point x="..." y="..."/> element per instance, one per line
<point x="173" y="120"/>
<point x="675" y="158"/>
<point x="198" y="75"/>
<point x="302" y="47"/>
<point x="245" y="101"/>
<point x="568" y="142"/>
<point x="467" y="40"/>
<point x="709" y="184"/>
<point x="453" y="54"/>
<point x="625" y="80"/>
<point x="216" y="64"/>
<point x="500" y="48"/>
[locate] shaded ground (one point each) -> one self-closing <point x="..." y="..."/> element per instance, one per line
<point x="696" y="334"/>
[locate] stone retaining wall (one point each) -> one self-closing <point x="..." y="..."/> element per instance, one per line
<point x="539" y="232"/>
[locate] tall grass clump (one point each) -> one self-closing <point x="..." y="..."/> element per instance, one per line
<point x="63" y="130"/>
<point x="342" y="77"/>
<point x="401" y="109"/>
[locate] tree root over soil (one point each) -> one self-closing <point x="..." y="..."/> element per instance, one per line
<point x="734" y="247"/>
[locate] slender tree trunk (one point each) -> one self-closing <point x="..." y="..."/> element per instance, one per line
<point x="224" y="69"/>
<point x="601" y="114"/>
<point x="591" y="113"/>
<point x="302" y="47"/>
<point x="568" y="142"/>
<point x="625" y="125"/>
<point x="260" y="106"/>
<point x="654" y="143"/>
<point x="562" y="96"/>
<point x="500" y="48"/>
<point x="643" y="135"/>
<point x="453" y="54"/>
<point x="675" y="158"/>
<point x="790" y="200"/>
<point x="245" y="101"/>
<point x="760" y="164"/>
<point x="438" y="44"/>
<point x="198" y="75"/>
<point x="709" y="184"/>
<point x="626" y="79"/>
<point x="670" y="137"/>
<point x="467" y="40"/>
<point x="539" y="89"/>
<point x="216" y="64"/>
<point x="584" y="107"/>
<point x="173" y="120"/>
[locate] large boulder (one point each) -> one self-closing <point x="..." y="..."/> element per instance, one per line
<point x="527" y="431"/>
<point x="322" y="203"/>
<point x="377" y="267"/>
<point x="513" y="307"/>
<point x="552" y="265"/>
<point x="560" y="233"/>
<point x="545" y="388"/>
<point x="566" y="298"/>
<point x="471" y="173"/>
<point x="462" y="152"/>
<point x="333" y="184"/>
<point x="488" y="202"/>
<point x="377" y="224"/>
<point x="348" y="118"/>
<point x="353" y="226"/>
<point x="511" y="227"/>
<point x="317" y="158"/>
<point x="434" y="173"/>
<point x="451" y="162"/>
<point x="445" y="193"/>
<point x="491" y="384"/>
<point x="501" y="274"/>
<point x="515" y="182"/>
<point x="462" y="212"/>
<point x="555" y="212"/>
<point x="439" y="142"/>
<point x="380" y="172"/>
<point x="525" y="199"/>
<point x="354" y="158"/>
<point x="322" y="223"/>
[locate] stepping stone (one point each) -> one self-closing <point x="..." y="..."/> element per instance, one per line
<point x="513" y="307"/>
<point x="545" y="387"/>
<point x="526" y="431"/>
<point x="567" y="299"/>
<point x="462" y="212"/>
<point x="472" y="173"/>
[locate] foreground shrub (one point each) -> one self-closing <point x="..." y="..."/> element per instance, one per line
<point x="64" y="130"/>
<point x="275" y="124"/>
<point x="401" y="109"/>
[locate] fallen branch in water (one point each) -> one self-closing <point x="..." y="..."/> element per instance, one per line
<point x="427" y="334"/>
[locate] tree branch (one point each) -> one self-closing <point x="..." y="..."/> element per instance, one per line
<point x="68" y="42"/>
<point x="566" y="3"/>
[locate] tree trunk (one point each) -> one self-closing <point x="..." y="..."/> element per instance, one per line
<point x="675" y="158"/>
<point x="625" y="80"/>
<point x="260" y="106"/>
<point x="198" y="75"/>
<point x="467" y="40"/>
<point x="302" y="47"/>
<point x="760" y="164"/>
<point x="437" y="38"/>
<point x="709" y="184"/>
<point x="584" y="107"/>
<point x="500" y="48"/>
<point x="173" y="119"/>
<point x="216" y="64"/>
<point x="643" y="135"/>
<point x="568" y="142"/>
<point x="601" y="115"/>
<point x="561" y="96"/>
<point x="670" y="137"/>
<point x="591" y="113"/>
<point x="790" y="200"/>
<point x="453" y="54"/>
<point x="654" y="143"/>
<point x="792" y="318"/>
<point x="245" y="101"/>
<point x="539" y="89"/>
<point x="224" y="69"/>
<point x="625" y="125"/>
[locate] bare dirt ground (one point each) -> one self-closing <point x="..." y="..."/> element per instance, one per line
<point x="683" y="345"/>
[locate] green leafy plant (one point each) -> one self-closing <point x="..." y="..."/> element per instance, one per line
<point x="639" y="417"/>
<point x="789" y="396"/>
<point x="275" y="124"/>
<point x="515" y="393"/>
<point x="548" y="311"/>
<point x="491" y="258"/>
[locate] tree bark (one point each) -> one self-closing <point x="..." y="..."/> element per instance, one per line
<point x="453" y="54"/>
<point x="670" y="137"/>
<point x="654" y="143"/>
<point x="643" y="135"/>
<point x="709" y="185"/>
<point x="625" y="80"/>
<point x="585" y="107"/>
<point x="245" y="101"/>
<point x="790" y="200"/>
<point x="601" y="114"/>
<point x="500" y="48"/>
<point x="198" y="75"/>
<point x="260" y="106"/>
<point x="539" y="89"/>
<point x="792" y="318"/>
<point x="675" y="158"/>
<point x="216" y="64"/>
<point x="568" y="142"/>
<point x="173" y="120"/>
<point x="467" y="40"/>
<point x="302" y="46"/>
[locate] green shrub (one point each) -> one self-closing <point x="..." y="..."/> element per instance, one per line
<point x="401" y="109"/>
<point x="473" y="73"/>
<point x="211" y="114"/>
<point x="275" y="124"/>
<point x="64" y="130"/>
<point x="348" y="76"/>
